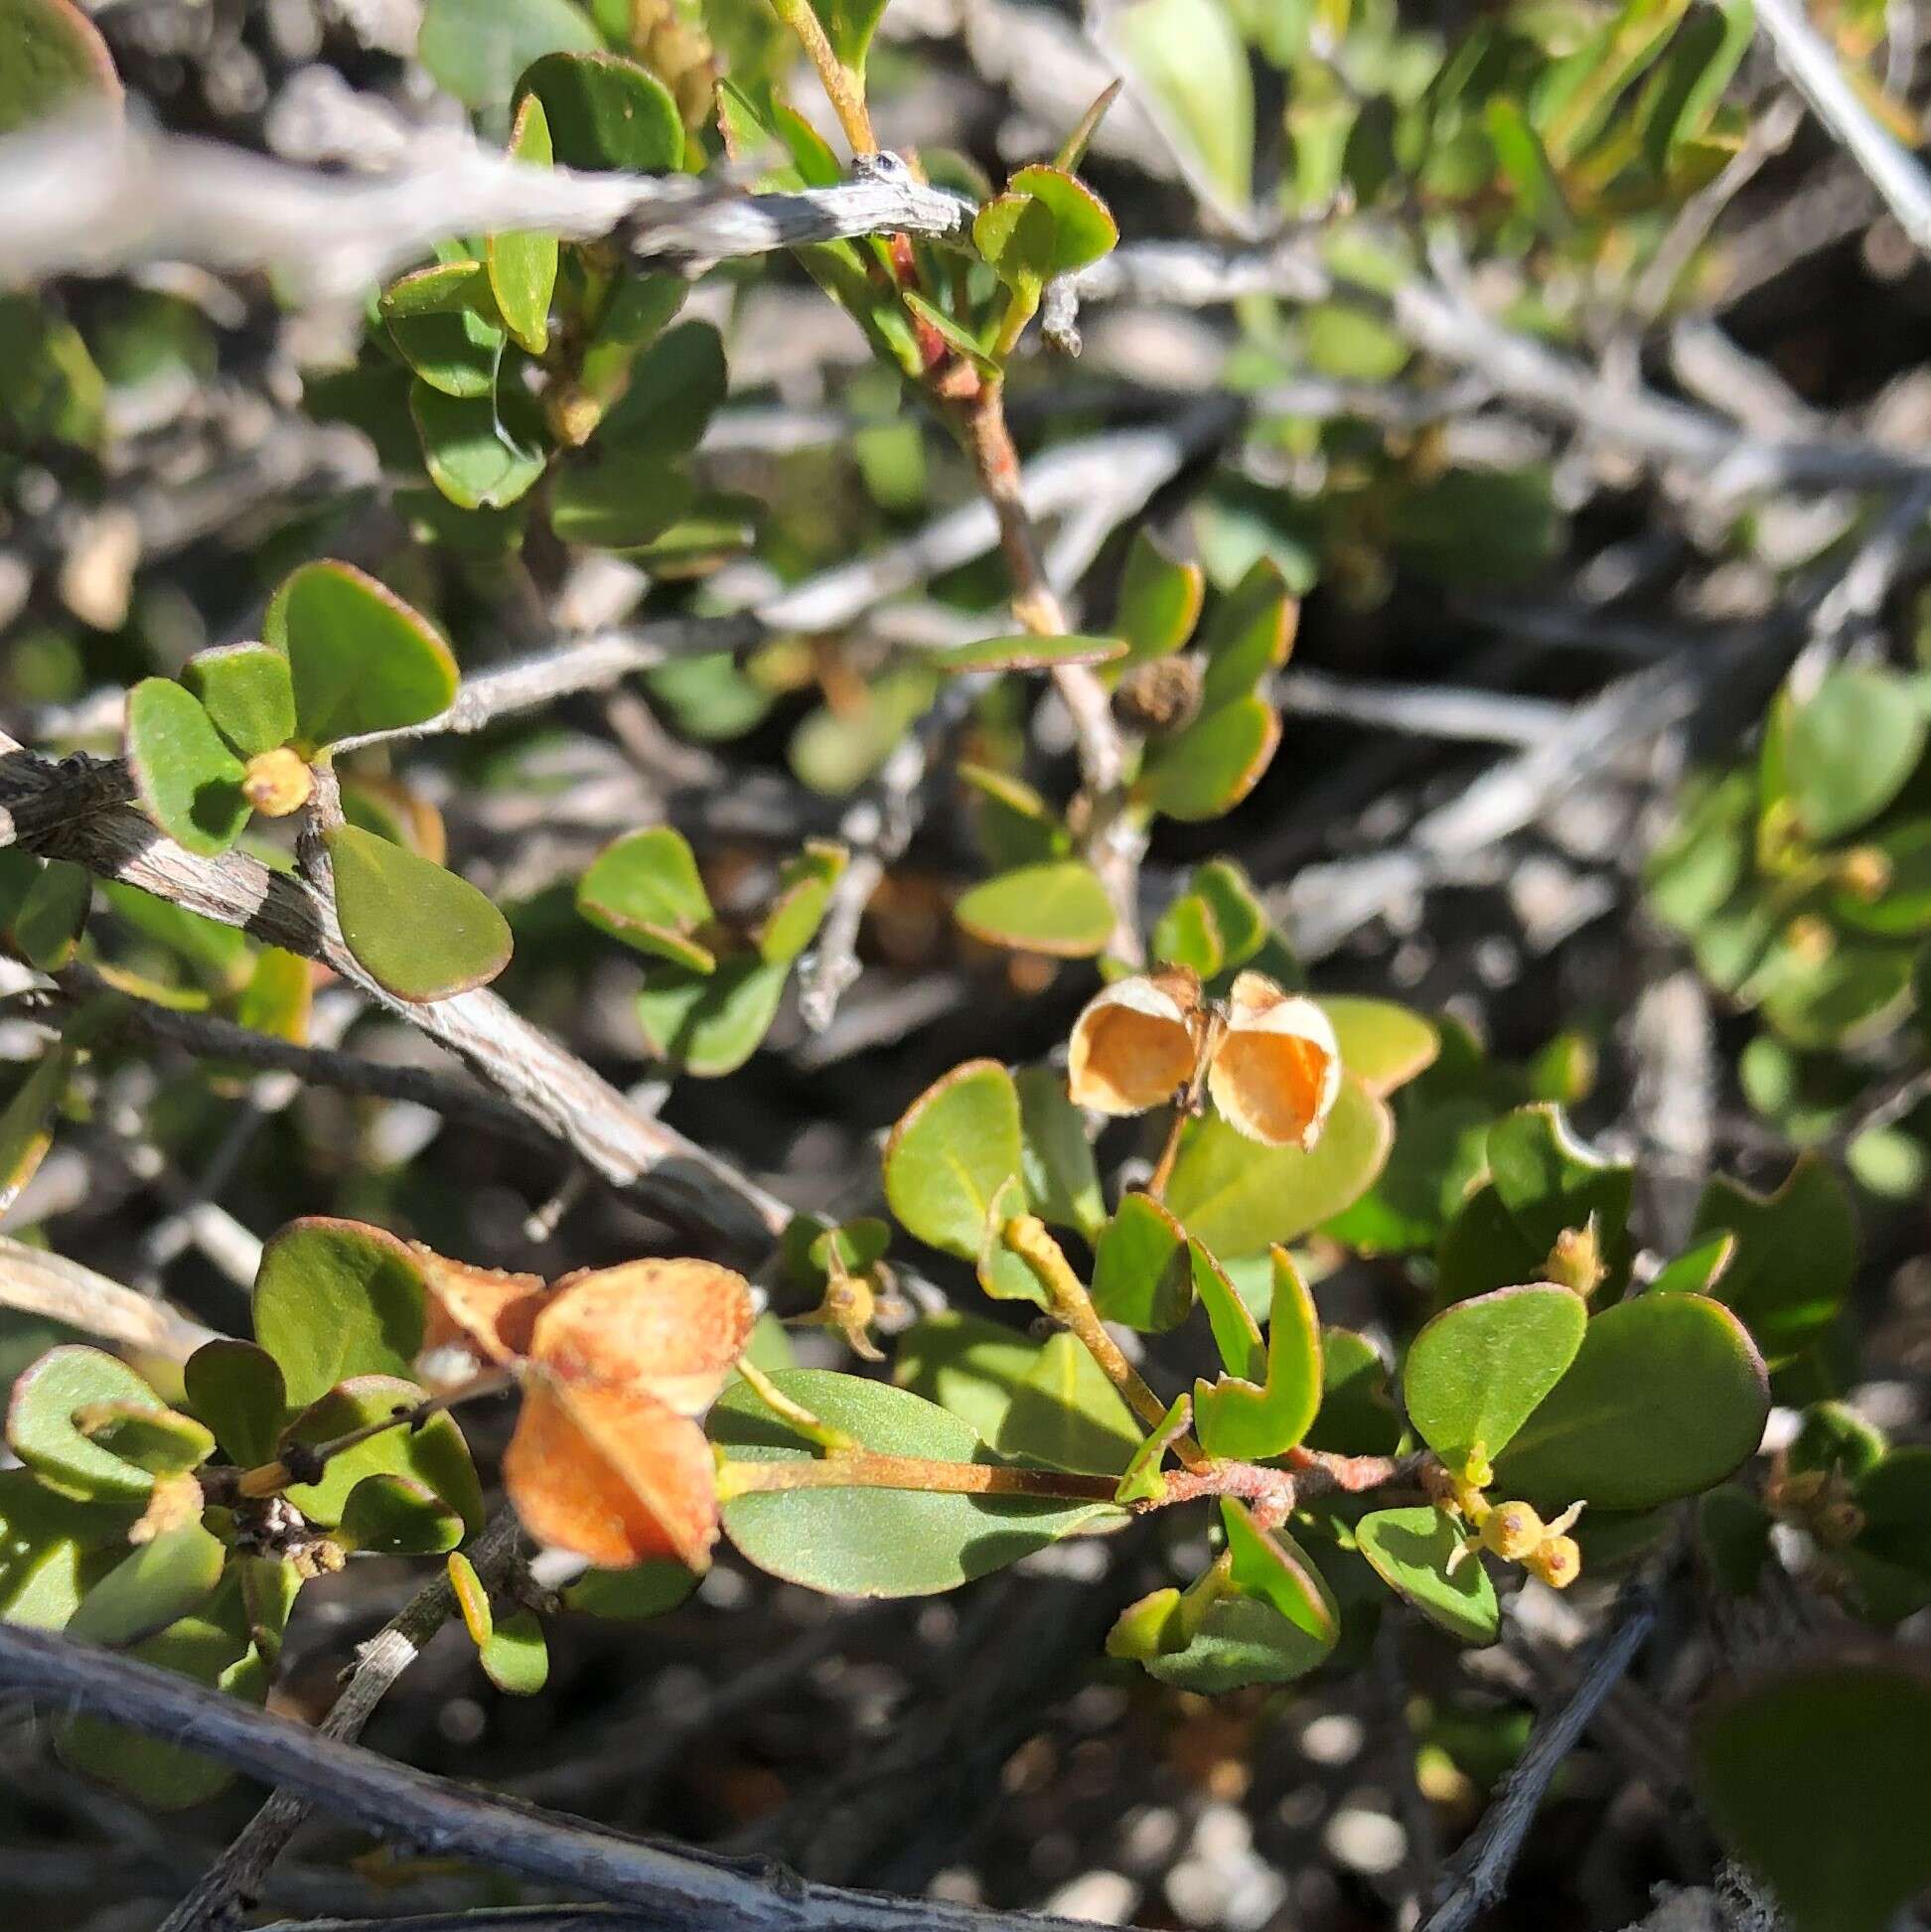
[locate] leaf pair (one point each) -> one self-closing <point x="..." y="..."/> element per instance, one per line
<point x="1271" y="1064"/>
<point x="712" y="992"/>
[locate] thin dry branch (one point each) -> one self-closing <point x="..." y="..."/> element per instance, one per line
<point x="568" y="1099"/>
<point x="233" y="1883"/>
<point x="92" y="196"/>
<point x="36" y="1282"/>
<point x="683" y="1890"/>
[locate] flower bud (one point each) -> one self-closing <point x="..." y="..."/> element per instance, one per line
<point x="1557" y="1560"/>
<point x="1513" y="1531"/>
<point x="1864" y="871"/>
<point x="1160" y="697"/>
<point x="1837" y="1524"/>
<point x="1576" y="1262"/>
<point x="277" y="782"/>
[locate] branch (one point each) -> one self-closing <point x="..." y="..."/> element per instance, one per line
<point x="235" y="1880"/>
<point x="1814" y="71"/>
<point x="1624" y="416"/>
<point x="36" y="1282"/>
<point x="96" y="197"/>
<point x="683" y="1889"/>
<point x="568" y="1099"/>
<point x="1490" y="1853"/>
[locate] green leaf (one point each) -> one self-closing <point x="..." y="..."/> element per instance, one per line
<point x="797" y="909"/>
<point x="1384" y="1046"/>
<point x="1815" y="1776"/>
<point x="27" y="1124"/>
<point x="646" y="891"/>
<point x="1706" y="53"/>
<point x="1698" y="1271"/>
<point x="52" y="60"/>
<point x="1796" y="1253"/>
<point x="606" y="112"/>
<point x="1187" y="934"/>
<point x="433" y="1453"/>
<point x="248" y="694"/>
<point x="849" y="25"/>
<point x="47" y="927"/>
<point x="1356" y="1417"/>
<point x="1186" y="63"/>
<point x="1143" y="1479"/>
<point x="149" y="1589"/>
<point x="1014" y="824"/>
<point x="444" y="323"/>
<point x="396" y="1516"/>
<point x="1849" y="747"/>
<point x="1410" y="1550"/>
<point x="1237" y="1335"/>
<point x="1210" y="767"/>
<point x="1241" y="1198"/>
<point x="160" y="1440"/>
<point x="709" y="1024"/>
<point x="1083" y="229"/>
<point x="836" y="753"/>
<point x="1014" y="237"/>
<point x="1835" y="1438"/>
<point x="522" y="266"/>
<point x="1160" y="601"/>
<point x="1062" y="1179"/>
<point x="1239" y="916"/>
<point x="41" y="1429"/>
<point x="1027" y="653"/>
<point x="1666" y="1396"/>
<point x="617" y="499"/>
<point x="950" y="1153"/>
<point x="1067" y="1415"/>
<point x="188" y="778"/>
<point x="237" y="1388"/>
<point x="335" y="1299"/>
<point x="1230" y="1643"/>
<point x="361" y="660"/>
<point x="1902" y="908"/>
<point x="421" y="932"/>
<point x="1734" y="1537"/>
<point x="1271" y="1566"/>
<point x="475" y="455"/>
<point x="967" y="1364"/>
<point x="1142" y="1268"/>
<point x="1549" y="1182"/>
<point x="1475" y="1373"/>
<point x="674" y="390"/>
<point x="515" y="1659"/>
<point x="1059" y="908"/>
<point x="45" y="1541"/>
<point x="1853" y="995"/>
<point x="876" y="1542"/>
<point x="168" y="1777"/>
<point x="630" y="1596"/>
<point x="475" y="49"/>
<point x="1248" y="636"/>
<point x="1235" y="1417"/>
<point x="1538" y="188"/>
<point x="1003" y="1273"/>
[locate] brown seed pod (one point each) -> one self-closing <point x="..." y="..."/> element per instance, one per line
<point x="1276" y="1073"/>
<point x="1159" y="697"/>
<point x="1135" y="1044"/>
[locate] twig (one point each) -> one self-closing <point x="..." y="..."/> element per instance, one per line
<point x="566" y="1097"/>
<point x="94" y="197"/>
<point x="1422" y="710"/>
<point x="34" y="1282"/>
<point x="684" y="1891"/>
<point x="1814" y="71"/>
<point x="233" y="1883"/>
<point x="1490" y="1853"/>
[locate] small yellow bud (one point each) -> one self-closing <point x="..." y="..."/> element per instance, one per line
<point x="1810" y="939"/>
<point x="277" y="782"/>
<point x="1864" y="871"/>
<point x="1558" y="1561"/>
<point x="1513" y="1531"/>
<point x="1476" y="1471"/>
<point x="1576" y="1262"/>
<point x="573" y="413"/>
<point x="174" y="1502"/>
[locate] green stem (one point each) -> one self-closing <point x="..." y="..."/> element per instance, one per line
<point x="862" y="1469"/>
<point x="842" y="87"/>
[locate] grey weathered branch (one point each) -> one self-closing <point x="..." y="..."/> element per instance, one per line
<point x="94" y="196"/>
<point x="1621" y="415"/>
<point x="683" y="1890"/>
<point x="568" y="1100"/>
<point x="1814" y="71"/>
<point x="1490" y="1853"/>
<point x="36" y="1282"/>
<point x="233" y="1883"/>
